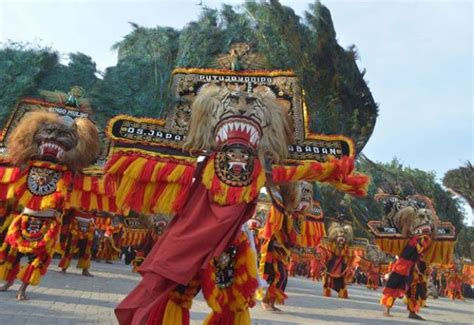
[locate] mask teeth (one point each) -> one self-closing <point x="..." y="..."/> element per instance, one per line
<point x="240" y="126"/>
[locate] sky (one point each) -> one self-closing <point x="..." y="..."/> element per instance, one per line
<point x="418" y="56"/>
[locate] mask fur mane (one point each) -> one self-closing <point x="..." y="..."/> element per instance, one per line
<point x="22" y="146"/>
<point x="335" y="229"/>
<point x="276" y="135"/>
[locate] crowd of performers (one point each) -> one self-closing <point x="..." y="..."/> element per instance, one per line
<point x="49" y="205"/>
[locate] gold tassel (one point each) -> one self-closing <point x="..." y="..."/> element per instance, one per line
<point x="242" y="317"/>
<point x="4" y="269"/>
<point x="173" y="314"/>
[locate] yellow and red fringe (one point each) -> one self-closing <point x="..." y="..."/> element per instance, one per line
<point x="132" y="237"/>
<point x="311" y="234"/>
<point x="440" y="251"/>
<point x="150" y="184"/>
<point x="19" y="241"/>
<point x="92" y="193"/>
<point x="337" y="172"/>
<point x="8" y="176"/>
<point x="230" y="305"/>
<point x="101" y="223"/>
<point x="19" y="238"/>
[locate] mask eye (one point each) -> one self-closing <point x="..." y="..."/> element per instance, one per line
<point x="250" y="100"/>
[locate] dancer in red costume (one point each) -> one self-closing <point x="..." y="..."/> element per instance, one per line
<point x="455" y="278"/>
<point x="338" y="255"/>
<point x="410" y="231"/>
<point x="78" y="237"/>
<point x="241" y="132"/>
<point x="279" y="239"/>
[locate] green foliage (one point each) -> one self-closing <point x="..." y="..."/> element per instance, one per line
<point x="22" y="67"/>
<point x="80" y="70"/>
<point x="200" y="41"/>
<point x="156" y="44"/>
<point x="461" y="182"/>
<point x="464" y="241"/>
<point x="129" y="88"/>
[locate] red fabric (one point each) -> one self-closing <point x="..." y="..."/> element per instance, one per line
<point x="202" y="230"/>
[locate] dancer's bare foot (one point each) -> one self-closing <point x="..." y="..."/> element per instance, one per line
<point x="6" y="286"/>
<point x="386" y="313"/>
<point x="276" y="309"/>
<point x="109" y="262"/>
<point x="63" y="271"/>
<point x="267" y="306"/>
<point x="414" y="315"/>
<point x="85" y="272"/>
<point x="21" y="293"/>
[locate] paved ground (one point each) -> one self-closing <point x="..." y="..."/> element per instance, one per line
<point x="74" y="299"/>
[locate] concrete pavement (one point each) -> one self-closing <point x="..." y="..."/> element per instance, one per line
<point x="75" y="299"/>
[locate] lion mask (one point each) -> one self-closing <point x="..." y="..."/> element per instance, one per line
<point x="48" y="136"/>
<point x="297" y="196"/>
<point x="340" y="234"/>
<point x="410" y="221"/>
<point x="248" y="123"/>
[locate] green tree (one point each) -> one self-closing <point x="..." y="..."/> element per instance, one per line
<point x="158" y="45"/>
<point x="22" y="66"/>
<point x="80" y="71"/>
<point x="461" y="182"/>
<point x="128" y="88"/>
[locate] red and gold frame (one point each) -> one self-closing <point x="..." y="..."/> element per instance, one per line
<point x="170" y="133"/>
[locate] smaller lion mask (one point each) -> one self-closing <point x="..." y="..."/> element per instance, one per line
<point x="297" y="196"/>
<point x="341" y="235"/>
<point x="410" y="221"/>
<point x="48" y="136"/>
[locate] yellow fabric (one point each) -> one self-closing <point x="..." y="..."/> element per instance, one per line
<point x="4" y="269"/>
<point x="440" y="251"/>
<point x="35" y="275"/>
<point x="173" y="314"/>
<point x="242" y="318"/>
<point x="6" y="222"/>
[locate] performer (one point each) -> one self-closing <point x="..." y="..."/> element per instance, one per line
<point x="373" y="276"/>
<point x="279" y="238"/>
<point x="222" y="196"/>
<point x="256" y="224"/>
<point x="338" y="257"/>
<point x="155" y="231"/>
<point x="44" y="149"/>
<point x="78" y="240"/>
<point x="242" y="133"/>
<point x="316" y="265"/>
<point x="305" y="260"/>
<point x="455" y="279"/>
<point x="412" y="218"/>
<point x="374" y="264"/>
<point x="109" y="246"/>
